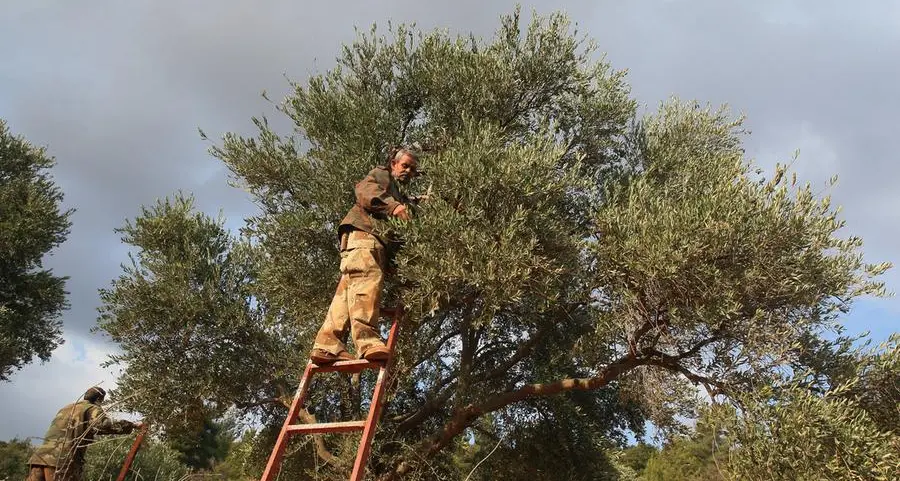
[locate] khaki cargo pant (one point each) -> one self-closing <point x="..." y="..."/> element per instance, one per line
<point x="357" y="298"/>
<point x="41" y="473"/>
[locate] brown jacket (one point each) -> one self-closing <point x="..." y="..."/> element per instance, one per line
<point x="377" y="195"/>
<point x="69" y="435"/>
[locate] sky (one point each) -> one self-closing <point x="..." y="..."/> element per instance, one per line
<point x="116" y="91"/>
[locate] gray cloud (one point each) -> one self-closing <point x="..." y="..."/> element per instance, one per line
<point x="118" y="92"/>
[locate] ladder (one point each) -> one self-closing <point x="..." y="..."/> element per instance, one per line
<point x="129" y="459"/>
<point x="367" y="427"/>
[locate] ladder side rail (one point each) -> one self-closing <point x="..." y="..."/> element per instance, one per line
<point x="129" y="459"/>
<point x="365" y="444"/>
<point x="274" y="462"/>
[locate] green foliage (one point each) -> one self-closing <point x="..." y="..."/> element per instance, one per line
<point x="573" y="273"/>
<point x="31" y="225"/>
<point x="792" y="433"/>
<point x="205" y="447"/>
<point x="875" y="385"/>
<point x="689" y="458"/>
<point x="183" y="302"/>
<point x="239" y="462"/>
<point x="14" y="456"/>
<point x="543" y="441"/>
<point x="714" y="272"/>
<point x="636" y="457"/>
<point x="153" y="462"/>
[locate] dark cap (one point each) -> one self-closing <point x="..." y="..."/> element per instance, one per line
<point x="95" y="394"/>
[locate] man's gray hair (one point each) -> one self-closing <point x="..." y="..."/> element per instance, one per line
<point x="397" y="151"/>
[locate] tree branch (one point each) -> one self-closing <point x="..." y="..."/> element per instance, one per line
<point x="636" y="337"/>
<point x="430" y="407"/>
<point x="671" y="363"/>
<point x="307" y="418"/>
<point x="464" y="417"/>
<point x="466" y="356"/>
<point x="437" y="347"/>
<point x="524" y="350"/>
<point x="695" y="349"/>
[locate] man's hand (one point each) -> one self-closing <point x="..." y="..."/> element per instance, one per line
<point x="418" y="199"/>
<point x="401" y="212"/>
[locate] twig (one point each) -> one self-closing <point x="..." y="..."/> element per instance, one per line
<point x="483" y="459"/>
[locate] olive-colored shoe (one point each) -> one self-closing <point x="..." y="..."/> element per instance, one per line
<point x="323" y="357"/>
<point x="377" y="353"/>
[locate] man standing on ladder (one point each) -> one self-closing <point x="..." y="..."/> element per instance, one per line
<point x="364" y="258"/>
<point x="61" y="457"/>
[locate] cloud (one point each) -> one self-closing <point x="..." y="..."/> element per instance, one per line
<point x="39" y="390"/>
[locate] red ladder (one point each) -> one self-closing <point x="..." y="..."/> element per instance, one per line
<point x="367" y="427"/>
<point x="129" y="459"/>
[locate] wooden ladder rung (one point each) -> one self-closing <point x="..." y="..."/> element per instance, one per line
<point x="356" y="365"/>
<point x="341" y="427"/>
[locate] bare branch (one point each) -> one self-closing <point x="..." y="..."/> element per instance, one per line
<point x="437" y="347"/>
<point x="430" y="407"/>
<point x="524" y="350"/>
<point x="308" y="418"/>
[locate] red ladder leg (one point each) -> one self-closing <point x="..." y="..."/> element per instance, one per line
<point x="365" y="444"/>
<point x="278" y="451"/>
<point x="134" y="449"/>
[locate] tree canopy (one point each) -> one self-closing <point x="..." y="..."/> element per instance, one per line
<point x="578" y="270"/>
<point x="32" y="223"/>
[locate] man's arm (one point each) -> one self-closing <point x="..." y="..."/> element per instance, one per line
<point x="100" y="423"/>
<point x="373" y="194"/>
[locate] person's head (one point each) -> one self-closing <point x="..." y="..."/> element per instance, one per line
<point x="95" y="395"/>
<point x="404" y="165"/>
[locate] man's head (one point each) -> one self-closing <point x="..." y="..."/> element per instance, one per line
<point x="404" y="165"/>
<point x="95" y="395"/>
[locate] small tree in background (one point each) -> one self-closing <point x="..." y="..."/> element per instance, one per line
<point x="14" y="455"/>
<point x="698" y="457"/>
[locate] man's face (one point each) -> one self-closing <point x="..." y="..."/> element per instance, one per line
<point x="404" y="168"/>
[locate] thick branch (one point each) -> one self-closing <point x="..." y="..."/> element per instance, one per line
<point x="464" y="417"/>
<point x="308" y="418"/>
<point x="430" y="407"/>
<point x="694" y="350"/>
<point x="466" y="356"/>
<point x="671" y="363"/>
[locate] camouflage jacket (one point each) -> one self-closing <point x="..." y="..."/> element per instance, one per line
<point x="69" y="435"/>
<point x="377" y="195"/>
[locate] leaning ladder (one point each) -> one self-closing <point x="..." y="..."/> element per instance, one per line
<point x="129" y="459"/>
<point x="367" y="427"/>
